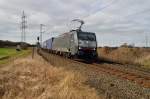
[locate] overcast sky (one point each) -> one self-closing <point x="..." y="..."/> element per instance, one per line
<point x="114" y="21"/>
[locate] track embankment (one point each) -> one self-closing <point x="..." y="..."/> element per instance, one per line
<point x="118" y="83"/>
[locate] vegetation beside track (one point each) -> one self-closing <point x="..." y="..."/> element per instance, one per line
<point x="36" y="79"/>
<point x="8" y="53"/>
<point x="126" y="55"/>
<point x="147" y="63"/>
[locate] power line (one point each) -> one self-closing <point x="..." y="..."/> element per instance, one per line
<point x="115" y="1"/>
<point x="102" y="8"/>
<point x="108" y="5"/>
<point x="139" y="12"/>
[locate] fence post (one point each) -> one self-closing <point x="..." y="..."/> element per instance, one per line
<point x="32" y="52"/>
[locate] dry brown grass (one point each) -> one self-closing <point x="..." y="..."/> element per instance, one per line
<point x="126" y="55"/>
<point x="36" y="79"/>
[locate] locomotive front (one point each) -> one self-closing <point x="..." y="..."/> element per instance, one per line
<point x="87" y="44"/>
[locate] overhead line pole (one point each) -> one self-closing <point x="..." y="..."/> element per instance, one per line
<point x="23" y="27"/>
<point x="41" y="32"/>
<point x="146" y="39"/>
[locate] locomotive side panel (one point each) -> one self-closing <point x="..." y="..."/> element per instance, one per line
<point x="74" y="43"/>
<point x="62" y="43"/>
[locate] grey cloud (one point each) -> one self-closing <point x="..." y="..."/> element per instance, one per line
<point x="109" y="17"/>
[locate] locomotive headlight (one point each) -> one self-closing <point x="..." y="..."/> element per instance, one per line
<point x="80" y="48"/>
<point x="94" y="49"/>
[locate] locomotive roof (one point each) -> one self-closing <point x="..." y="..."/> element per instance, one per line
<point x="65" y="34"/>
<point x="68" y="33"/>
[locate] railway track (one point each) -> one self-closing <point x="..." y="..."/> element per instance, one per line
<point x="136" y="76"/>
<point x="124" y="65"/>
<point x="131" y="75"/>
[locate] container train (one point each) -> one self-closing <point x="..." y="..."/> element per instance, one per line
<point x="74" y="44"/>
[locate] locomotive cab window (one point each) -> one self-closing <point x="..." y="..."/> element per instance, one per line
<point x="86" y="36"/>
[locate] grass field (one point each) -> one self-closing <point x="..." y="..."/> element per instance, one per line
<point x="7" y="53"/>
<point x="36" y="79"/>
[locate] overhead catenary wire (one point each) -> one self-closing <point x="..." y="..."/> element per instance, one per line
<point x="100" y="9"/>
<point x="111" y="4"/>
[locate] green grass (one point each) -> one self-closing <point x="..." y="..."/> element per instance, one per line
<point x="7" y="53"/>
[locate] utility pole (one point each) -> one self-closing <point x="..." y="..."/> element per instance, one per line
<point x="41" y="32"/>
<point x="146" y="39"/>
<point x="23" y="27"/>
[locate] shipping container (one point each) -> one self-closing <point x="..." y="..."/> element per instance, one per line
<point x="49" y="43"/>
